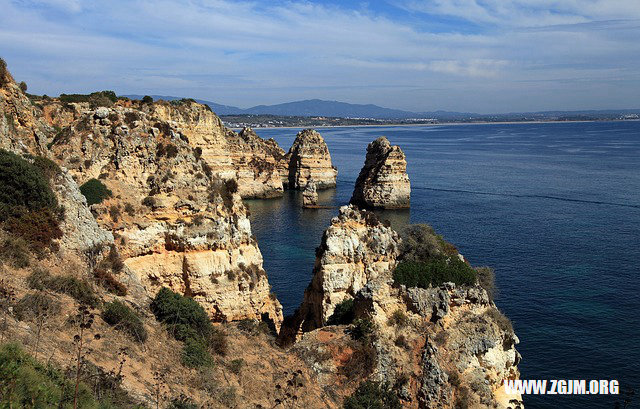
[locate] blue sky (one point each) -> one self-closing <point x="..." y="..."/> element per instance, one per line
<point x="463" y="55"/>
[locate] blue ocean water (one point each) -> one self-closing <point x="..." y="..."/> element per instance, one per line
<point x="554" y="208"/>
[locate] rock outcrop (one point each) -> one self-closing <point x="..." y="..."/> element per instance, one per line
<point x="309" y="160"/>
<point x="310" y="195"/>
<point x="356" y="249"/>
<point x="383" y="182"/>
<point x="176" y="222"/>
<point x="441" y="347"/>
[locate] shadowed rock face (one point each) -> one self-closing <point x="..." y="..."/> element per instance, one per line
<point x="383" y="182"/>
<point x="309" y="159"/>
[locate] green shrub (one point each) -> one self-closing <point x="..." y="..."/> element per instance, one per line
<point x="363" y="329"/>
<point x="23" y="86"/>
<point x="38" y="228"/>
<point x="343" y="313"/>
<point x="123" y="318"/>
<point x="48" y="167"/>
<point x="129" y="209"/>
<point x="27" y="383"/>
<point x="487" y="280"/>
<point x="95" y="99"/>
<point x="78" y="289"/>
<point x="24" y="185"/>
<point x="147" y="99"/>
<point x="183" y="316"/>
<point x="187" y="321"/>
<point x="398" y="319"/>
<point x="372" y="395"/>
<point x="434" y="272"/>
<point x="3" y="72"/>
<point x="95" y="191"/>
<point x="195" y="354"/>
<point x="236" y="365"/>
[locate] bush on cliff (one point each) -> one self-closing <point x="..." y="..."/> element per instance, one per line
<point x="187" y="321"/>
<point x="28" y="207"/>
<point x="3" y="72"/>
<point x="421" y="243"/>
<point x="372" y="395"/>
<point x="436" y="271"/>
<point x="343" y="313"/>
<point x="123" y="318"/>
<point x="95" y="191"/>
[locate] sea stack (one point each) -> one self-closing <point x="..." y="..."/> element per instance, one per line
<point x="310" y="195"/>
<point x="383" y="182"/>
<point x="309" y="159"/>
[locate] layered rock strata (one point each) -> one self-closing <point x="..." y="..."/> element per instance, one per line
<point x="178" y="224"/>
<point x="441" y="347"/>
<point x="309" y="160"/>
<point x="383" y="182"/>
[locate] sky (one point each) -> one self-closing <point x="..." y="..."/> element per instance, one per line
<point x="484" y="56"/>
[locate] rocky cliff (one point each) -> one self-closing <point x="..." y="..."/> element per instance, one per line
<point x="383" y="182"/>
<point x="178" y="224"/>
<point x="441" y="347"/>
<point x="309" y="160"/>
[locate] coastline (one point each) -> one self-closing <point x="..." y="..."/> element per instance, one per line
<point x="443" y="124"/>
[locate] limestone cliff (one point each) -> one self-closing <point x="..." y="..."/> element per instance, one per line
<point x="383" y="182"/>
<point x="309" y="160"/>
<point x="440" y="347"/>
<point x="178" y="224"/>
<point x="22" y="128"/>
<point x="355" y="250"/>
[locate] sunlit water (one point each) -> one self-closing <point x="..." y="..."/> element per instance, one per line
<point x="554" y="208"/>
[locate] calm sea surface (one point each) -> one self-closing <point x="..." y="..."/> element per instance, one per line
<point x="554" y="208"/>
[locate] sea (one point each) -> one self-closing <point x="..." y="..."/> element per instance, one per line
<point x="554" y="208"/>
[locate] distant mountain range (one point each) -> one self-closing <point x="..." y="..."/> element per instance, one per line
<point x="318" y="107"/>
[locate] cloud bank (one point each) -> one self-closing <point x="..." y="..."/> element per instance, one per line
<point x="465" y="55"/>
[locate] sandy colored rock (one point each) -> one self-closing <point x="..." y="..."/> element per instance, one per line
<point x="309" y="160"/>
<point x="310" y="195"/>
<point x="383" y="182"/>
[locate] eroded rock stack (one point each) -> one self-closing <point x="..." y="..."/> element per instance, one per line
<point x="310" y="195"/>
<point x="356" y="249"/>
<point x="443" y="347"/>
<point x="309" y="159"/>
<point x="383" y="182"/>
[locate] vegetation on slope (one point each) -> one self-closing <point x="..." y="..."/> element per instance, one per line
<point x="188" y="322"/>
<point x="25" y="382"/>
<point x="29" y="210"/>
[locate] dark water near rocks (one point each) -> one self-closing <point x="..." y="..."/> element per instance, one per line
<point x="554" y="208"/>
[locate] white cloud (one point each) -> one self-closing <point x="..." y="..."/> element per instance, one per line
<point x="247" y="53"/>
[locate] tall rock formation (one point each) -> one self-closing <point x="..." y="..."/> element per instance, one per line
<point x="383" y="182"/>
<point x="442" y="347"/>
<point x="309" y="159"/>
<point x="356" y="249"/>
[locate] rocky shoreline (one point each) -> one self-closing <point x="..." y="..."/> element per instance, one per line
<point x="151" y="197"/>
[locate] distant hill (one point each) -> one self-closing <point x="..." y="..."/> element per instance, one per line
<point x="319" y="107"/>
<point x="309" y="107"/>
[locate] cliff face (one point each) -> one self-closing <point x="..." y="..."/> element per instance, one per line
<point x="441" y="347"/>
<point x="177" y="224"/>
<point x="22" y="128"/>
<point x="309" y="160"/>
<point x="383" y="182"/>
<point x="355" y="250"/>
